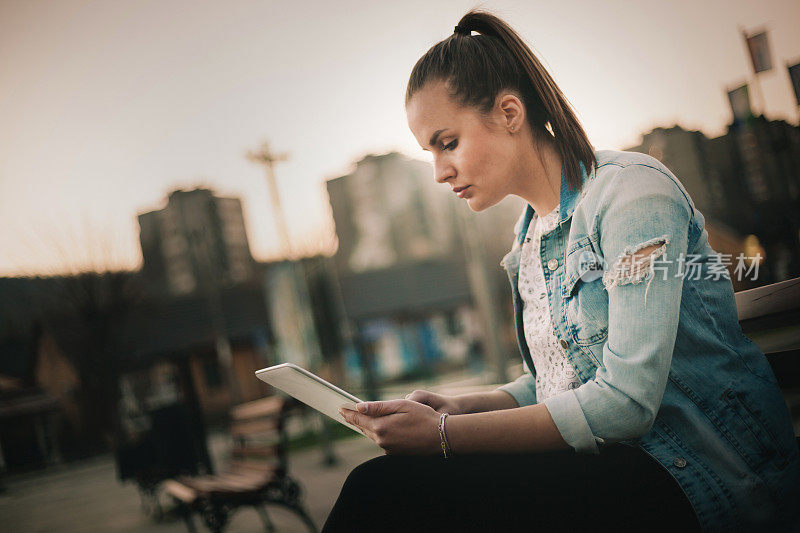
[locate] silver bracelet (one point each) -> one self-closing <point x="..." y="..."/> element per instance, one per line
<point x="443" y="436"/>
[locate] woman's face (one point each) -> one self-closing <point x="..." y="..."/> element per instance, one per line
<point x="473" y="154"/>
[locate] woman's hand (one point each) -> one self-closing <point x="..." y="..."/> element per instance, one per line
<point x="398" y="426"/>
<point x="439" y="402"/>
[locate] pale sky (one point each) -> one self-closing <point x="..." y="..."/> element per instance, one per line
<point x="107" y="106"/>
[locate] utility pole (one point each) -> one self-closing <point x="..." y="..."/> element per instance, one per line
<point x="482" y="293"/>
<point x="266" y="157"/>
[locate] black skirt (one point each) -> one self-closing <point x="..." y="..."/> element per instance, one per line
<point x="621" y="489"/>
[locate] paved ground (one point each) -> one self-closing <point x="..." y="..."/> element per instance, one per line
<point x="86" y="496"/>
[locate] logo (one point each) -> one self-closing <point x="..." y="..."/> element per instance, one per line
<point x="590" y="266"/>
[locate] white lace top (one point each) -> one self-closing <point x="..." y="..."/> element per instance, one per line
<point x="554" y="372"/>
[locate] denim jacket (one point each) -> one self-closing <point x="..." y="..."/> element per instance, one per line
<point x="663" y="362"/>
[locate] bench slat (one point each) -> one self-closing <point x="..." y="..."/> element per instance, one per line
<point x="260" y="425"/>
<point x="269" y="406"/>
<point x="180" y="491"/>
<point x="255" y="451"/>
<point x="768" y="300"/>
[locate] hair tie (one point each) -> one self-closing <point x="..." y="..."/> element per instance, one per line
<point x="462" y="30"/>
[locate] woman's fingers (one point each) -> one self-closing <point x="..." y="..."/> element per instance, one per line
<point x="381" y="408"/>
<point x="442" y="404"/>
<point x="397" y="426"/>
<point x="361" y="421"/>
<point x="369" y="415"/>
<point x="354" y="417"/>
<point x="368" y="411"/>
<point x="422" y="396"/>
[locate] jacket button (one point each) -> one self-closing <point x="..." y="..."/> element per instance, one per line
<point x="680" y="462"/>
<point x="552" y="264"/>
<point x="564" y="344"/>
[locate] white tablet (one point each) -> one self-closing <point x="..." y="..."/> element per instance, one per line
<point x="310" y="389"/>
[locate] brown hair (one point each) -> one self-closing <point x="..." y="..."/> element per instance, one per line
<point x="477" y="67"/>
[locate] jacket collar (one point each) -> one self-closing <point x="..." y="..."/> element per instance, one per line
<point x="568" y="201"/>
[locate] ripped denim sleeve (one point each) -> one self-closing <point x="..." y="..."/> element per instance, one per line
<point x="633" y="266"/>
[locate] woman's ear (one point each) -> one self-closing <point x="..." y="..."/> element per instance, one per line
<point x="512" y="111"/>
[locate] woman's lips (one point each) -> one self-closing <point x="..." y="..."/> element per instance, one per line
<point x="461" y="190"/>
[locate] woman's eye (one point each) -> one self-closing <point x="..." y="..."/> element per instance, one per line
<point x="450" y="145"/>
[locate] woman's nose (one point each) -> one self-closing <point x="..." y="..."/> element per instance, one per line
<point x="442" y="172"/>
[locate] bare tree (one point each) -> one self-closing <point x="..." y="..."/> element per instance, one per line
<point x="85" y="307"/>
<point x="88" y="311"/>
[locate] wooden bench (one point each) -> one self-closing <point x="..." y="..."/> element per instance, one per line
<point x="256" y="475"/>
<point x="770" y="316"/>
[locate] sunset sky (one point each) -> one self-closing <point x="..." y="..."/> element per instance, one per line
<point x="107" y="106"/>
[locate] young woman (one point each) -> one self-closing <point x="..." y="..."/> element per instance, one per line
<point x="643" y="405"/>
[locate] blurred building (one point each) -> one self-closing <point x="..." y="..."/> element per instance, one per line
<point x="747" y="185"/>
<point x="685" y="154"/>
<point x="402" y="269"/>
<point x="197" y="240"/>
<point x="387" y="213"/>
<point x="81" y="344"/>
<point x="95" y="354"/>
<point x="166" y="352"/>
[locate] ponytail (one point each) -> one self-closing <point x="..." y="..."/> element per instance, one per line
<point x="477" y="67"/>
